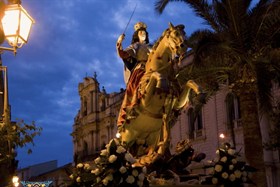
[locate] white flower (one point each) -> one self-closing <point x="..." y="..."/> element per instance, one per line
<point x="224" y="159"/>
<point x="232" y="177"/>
<point x="104" y="152"/>
<point x="86" y="166"/>
<point x="107" y="146"/>
<point x="244" y="179"/>
<point x="231" y="151"/>
<point x="152" y="178"/>
<point x="214" y="180"/>
<point x="218" y="168"/>
<point x="117" y="141"/>
<point x="130" y="158"/>
<point x="218" y="152"/>
<point x="135" y="173"/>
<point x="71" y="176"/>
<point x="98" y="179"/>
<point x="231" y="167"/>
<point x="225" y="175"/>
<point x="144" y="169"/>
<point x="105" y="181"/>
<point x="123" y="170"/>
<point x="109" y="177"/>
<point x="216" y="159"/>
<point x="140" y="183"/>
<point x="112" y="158"/>
<point x="237" y="174"/>
<point x="141" y="177"/>
<point x="130" y="179"/>
<point x="234" y="161"/>
<point x="244" y="173"/>
<point x="96" y="171"/>
<point x="80" y="165"/>
<point x="97" y="160"/>
<point x="78" y="179"/>
<point x="120" y="149"/>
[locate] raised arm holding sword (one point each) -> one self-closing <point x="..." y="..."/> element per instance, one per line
<point x="138" y="51"/>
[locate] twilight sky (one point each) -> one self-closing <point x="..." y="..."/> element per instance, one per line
<point x="72" y="39"/>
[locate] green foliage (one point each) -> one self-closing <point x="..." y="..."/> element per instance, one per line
<point x="14" y="135"/>
<point x="239" y="48"/>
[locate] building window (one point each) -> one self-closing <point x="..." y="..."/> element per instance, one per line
<point x="195" y="123"/>
<point x="85" y="107"/>
<point x="104" y="139"/>
<point x="85" y="149"/>
<point x="233" y="111"/>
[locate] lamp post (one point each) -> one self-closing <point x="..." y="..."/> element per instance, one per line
<point x="16" y="24"/>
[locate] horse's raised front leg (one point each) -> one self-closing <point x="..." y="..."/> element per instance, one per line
<point x="157" y="82"/>
<point x="184" y="96"/>
<point x="196" y="88"/>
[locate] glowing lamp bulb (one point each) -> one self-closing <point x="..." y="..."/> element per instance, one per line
<point x="222" y="136"/>
<point x="118" y="135"/>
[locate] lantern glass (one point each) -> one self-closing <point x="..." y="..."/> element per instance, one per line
<point x="25" y="26"/>
<point x="16" y="24"/>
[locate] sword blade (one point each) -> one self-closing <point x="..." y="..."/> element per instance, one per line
<point x="129" y="19"/>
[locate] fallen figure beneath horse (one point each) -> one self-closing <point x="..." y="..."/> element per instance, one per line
<point x="145" y="125"/>
<point x="173" y="168"/>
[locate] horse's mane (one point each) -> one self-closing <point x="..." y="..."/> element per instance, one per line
<point x="160" y="38"/>
<point x="166" y="33"/>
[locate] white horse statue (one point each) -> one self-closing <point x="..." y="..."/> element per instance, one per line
<point x="161" y="97"/>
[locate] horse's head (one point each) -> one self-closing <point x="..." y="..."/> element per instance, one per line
<point x="177" y="39"/>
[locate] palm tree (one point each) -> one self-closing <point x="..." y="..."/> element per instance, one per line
<point x="241" y="48"/>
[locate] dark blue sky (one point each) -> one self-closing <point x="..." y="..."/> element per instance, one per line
<point x="72" y="39"/>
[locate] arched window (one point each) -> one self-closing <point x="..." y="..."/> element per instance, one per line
<point x="191" y="123"/>
<point x="195" y="123"/>
<point x="85" y="148"/>
<point x="233" y="110"/>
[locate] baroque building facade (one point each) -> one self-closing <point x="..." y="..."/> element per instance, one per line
<point x="95" y="125"/>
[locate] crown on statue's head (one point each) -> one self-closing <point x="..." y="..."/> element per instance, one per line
<point x="140" y="25"/>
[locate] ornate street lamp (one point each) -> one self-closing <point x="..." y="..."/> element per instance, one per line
<point x="16" y="24"/>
